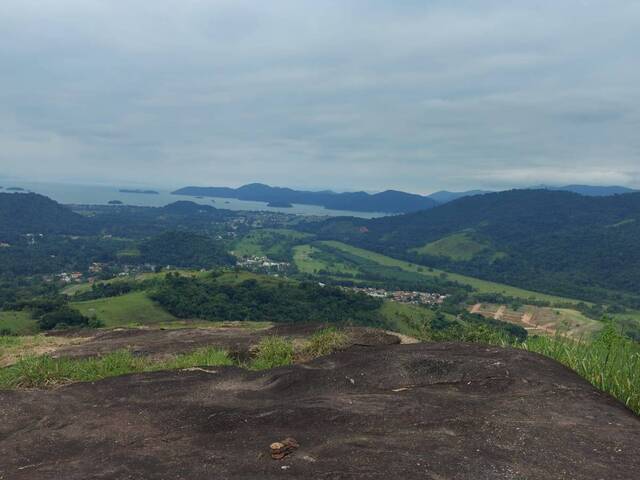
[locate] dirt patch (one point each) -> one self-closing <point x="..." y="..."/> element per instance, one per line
<point x="427" y="411"/>
<point x="34" y="346"/>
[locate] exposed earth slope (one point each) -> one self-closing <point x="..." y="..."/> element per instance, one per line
<point x="429" y="411"/>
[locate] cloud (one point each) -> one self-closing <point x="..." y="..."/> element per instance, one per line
<point x="342" y="94"/>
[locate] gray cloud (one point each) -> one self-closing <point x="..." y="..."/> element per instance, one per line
<point x="343" y="94"/>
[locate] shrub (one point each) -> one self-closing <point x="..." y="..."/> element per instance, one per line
<point x="272" y="352"/>
<point x="63" y="317"/>
<point x="325" y="342"/>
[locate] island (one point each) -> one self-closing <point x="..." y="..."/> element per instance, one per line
<point x="115" y="202"/>
<point x="15" y="189"/>
<point x="279" y="204"/>
<point x="135" y="190"/>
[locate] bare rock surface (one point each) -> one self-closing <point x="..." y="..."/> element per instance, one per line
<point x="237" y="340"/>
<point x="423" y="411"/>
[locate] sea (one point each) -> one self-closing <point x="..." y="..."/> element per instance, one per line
<point x="77" y="194"/>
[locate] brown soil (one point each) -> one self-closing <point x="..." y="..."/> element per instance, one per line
<point x="423" y="411"/>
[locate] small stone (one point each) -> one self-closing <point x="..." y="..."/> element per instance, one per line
<point x="285" y="447"/>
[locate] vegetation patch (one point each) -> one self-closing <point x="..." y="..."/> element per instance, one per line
<point x="481" y="286"/>
<point x="459" y="247"/>
<point x="315" y="261"/>
<point x="17" y="323"/>
<point x="277" y="244"/>
<point x="131" y="309"/>
<point x="272" y="352"/>
<point x="325" y="342"/>
<point x="45" y="371"/>
<point x="273" y="301"/>
<point x="611" y="362"/>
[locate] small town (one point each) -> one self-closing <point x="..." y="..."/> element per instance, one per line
<point x="403" y="296"/>
<point x="256" y="263"/>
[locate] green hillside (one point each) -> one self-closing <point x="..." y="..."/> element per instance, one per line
<point x="459" y="247"/>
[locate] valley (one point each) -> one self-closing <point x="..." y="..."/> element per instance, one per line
<point x="186" y="293"/>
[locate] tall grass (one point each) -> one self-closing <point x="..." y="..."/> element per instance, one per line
<point x="45" y="371"/>
<point x="272" y="352"/>
<point x="325" y="342"/>
<point x="611" y="362"/>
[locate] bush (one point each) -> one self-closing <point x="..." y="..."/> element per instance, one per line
<point x="325" y="342"/>
<point x="63" y="317"/>
<point x="272" y="352"/>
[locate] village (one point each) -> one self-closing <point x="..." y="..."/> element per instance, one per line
<point x="263" y="264"/>
<point x="402" y="296"/>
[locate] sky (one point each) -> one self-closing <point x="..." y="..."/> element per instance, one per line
<point x="414" y="95"/>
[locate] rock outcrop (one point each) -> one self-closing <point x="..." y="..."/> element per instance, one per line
<point x="424" y="411"/>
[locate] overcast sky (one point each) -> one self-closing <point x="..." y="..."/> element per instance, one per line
<point x="415" y="95"/>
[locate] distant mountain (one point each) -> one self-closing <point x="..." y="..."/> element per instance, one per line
<point x="22" y="213"/>
<point x="545" y="240"/>
<point x="390" y="201"/>
<point x="593" y="190"/>
<point x="444" y="196"/>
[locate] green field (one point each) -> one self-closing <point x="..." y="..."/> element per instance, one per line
<point x="406" y="319"/>
<point x="130" y="309"/>
<point x="481" y="286"/>
<point x="458" y="247"/>
<point x="312" y="260"/>
<point x="270" y="242"/>
<point x="18" y="323"/>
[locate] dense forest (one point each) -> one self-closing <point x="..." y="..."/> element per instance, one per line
<point x="206" y="298"/>
<point x="185" y="249"/>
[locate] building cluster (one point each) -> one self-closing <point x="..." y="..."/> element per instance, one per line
<point x="403" y="296"/>
<point x="72" y="277"/>
<point x="256" y="263"/>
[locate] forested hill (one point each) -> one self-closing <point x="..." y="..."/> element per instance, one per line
<point x="390" y="201"/>
<point x="22" y="213"/>
<point x="546" y="240"/>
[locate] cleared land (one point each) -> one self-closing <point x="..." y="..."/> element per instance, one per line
<point x="459" y="247"/>
<point x="542" y="320"/>
<point x="273" y="243"/>
<point x="131" y="309"/>
<point x="312" y="260"/>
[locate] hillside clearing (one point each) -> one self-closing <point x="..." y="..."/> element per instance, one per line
<point x="481" y="286"/>
<point x="131" y="309"/>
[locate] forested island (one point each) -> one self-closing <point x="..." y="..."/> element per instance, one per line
<point x="280" y="204"/>
<point x="138" y="191"/>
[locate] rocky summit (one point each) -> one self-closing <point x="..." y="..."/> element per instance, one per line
<point x="427" y="411"/>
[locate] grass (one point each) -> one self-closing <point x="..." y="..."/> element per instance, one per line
<point x="611" y="363"/>
<point x="131" y="309"/>
<point x="269" y="242"/>
<point x="311" y="260"/>
<point x="272" y="352"/>
<point x="459" y="247"/>
<point x="17" y="323"/>
<point x="45" y="371"/>
<point x="325" y="342"/>
<point x="481" y="286"/>
<point x="406" y="319"/>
